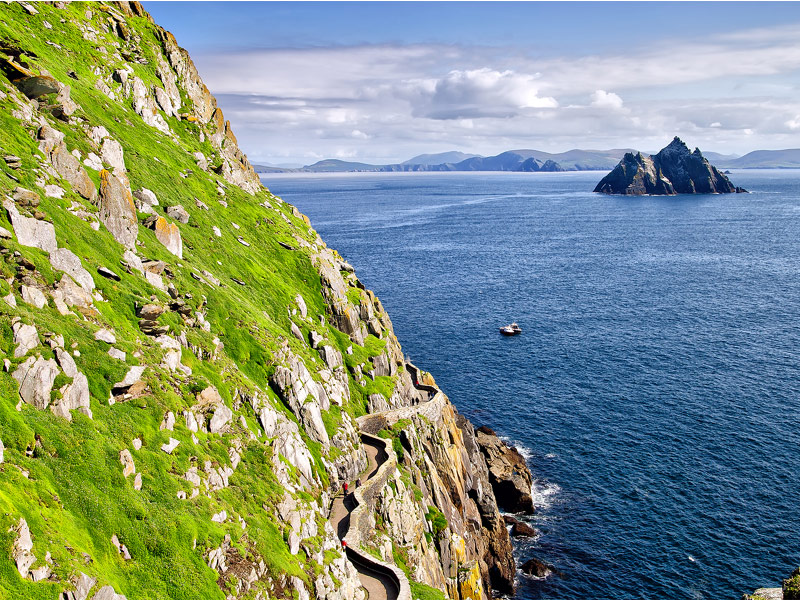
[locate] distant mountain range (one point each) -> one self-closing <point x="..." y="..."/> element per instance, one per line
<point x="537" y="161"/>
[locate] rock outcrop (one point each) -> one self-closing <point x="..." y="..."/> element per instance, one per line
<point x="509" y="475"/>
<point x="790" y="590"/>
<point x="674" y="170"/>
<point x="117" y="210"/>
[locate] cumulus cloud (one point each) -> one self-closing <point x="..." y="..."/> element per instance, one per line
<point x="476" y="93"/>
<point x="603" y="99"/>
<point x="793" y="123"/>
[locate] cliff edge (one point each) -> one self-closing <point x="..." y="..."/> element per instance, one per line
<point x="674" y="170"/>
<point x="189" y="372"/>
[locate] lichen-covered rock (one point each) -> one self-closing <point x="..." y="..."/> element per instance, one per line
<point x="128" y="466"/>
<point x="37" y="85"/>
<point x="117" y="211"/>
<point x="169" y="235"/>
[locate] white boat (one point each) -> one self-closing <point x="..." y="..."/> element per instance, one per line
<point x="512" y="329"/>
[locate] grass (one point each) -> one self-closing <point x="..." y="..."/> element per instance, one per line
<point x="75" y="497"/>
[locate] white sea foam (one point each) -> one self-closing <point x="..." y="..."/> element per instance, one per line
<point x="543" y="493"/>
<point x="550" y="455"/>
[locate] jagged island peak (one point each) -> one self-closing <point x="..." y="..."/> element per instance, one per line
<point x="674" y="170"/>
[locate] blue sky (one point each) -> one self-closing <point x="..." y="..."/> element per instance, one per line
<point x="380" y="82"/>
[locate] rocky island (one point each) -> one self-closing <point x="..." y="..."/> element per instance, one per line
<point x="190" y="375"/>
<point x="674" y="170"/>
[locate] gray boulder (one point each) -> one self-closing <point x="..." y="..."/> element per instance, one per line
<point x="72" y="294"/>
<point x="145" y="200"/>
<point x="331" y="356"/>
<point x="25" y="337"/>
<point x="70" y="169"/>
<point x="178" y="213"/>
<point x="31" y="232"/>
<point x="75" y="395"/>
<point x="34" y="296"/>
<point x="112" y="154"/>
<point x="37" y="86"/>
<point x="25" y="197"/>
<point x="66" y="261"/>
<point x="380" y="365"/>
<point x="35" y="377"/>
<point x="117" y="211"/>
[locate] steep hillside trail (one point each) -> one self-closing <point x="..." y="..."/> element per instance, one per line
<point x="379" y="585"/>
<point x="381" y="580"/>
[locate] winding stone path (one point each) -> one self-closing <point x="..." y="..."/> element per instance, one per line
<point x="379" y="585"/>
<point x="383" y="581"/>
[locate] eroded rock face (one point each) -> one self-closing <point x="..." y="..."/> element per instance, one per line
<point x="305" y="397"/>
<point x="35" y="377"/>
<point x="66" y="261"/>
<point x="70" y="169"/>
<point x="508" y="473"/>
<point x="791" y="586"/>
<point x="674" y="170"/>
<point x="31" y="232"/>
<point x="117" y="211"/>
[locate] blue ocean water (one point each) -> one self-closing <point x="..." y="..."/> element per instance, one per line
<point x="656" y="386"/>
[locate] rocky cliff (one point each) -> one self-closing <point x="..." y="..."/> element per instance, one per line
<point x="790" y="590"/>
<point x="674" y="170"/>
<point x="189" y="372"/>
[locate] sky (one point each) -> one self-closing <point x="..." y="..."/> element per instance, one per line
<point x="380" y="82"/>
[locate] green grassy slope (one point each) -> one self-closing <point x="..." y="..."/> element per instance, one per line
<point x="66" y="478"/>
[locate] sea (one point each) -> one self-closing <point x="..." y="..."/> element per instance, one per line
<point x="655" y="389"/>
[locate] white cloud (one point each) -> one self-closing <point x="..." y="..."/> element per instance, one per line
<point x="793" y="123"/>
<point x="603" y="99"/>
<point x="483" y="92"/>
<point x="345" y="153"/>
<point x="395" y="101"/>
